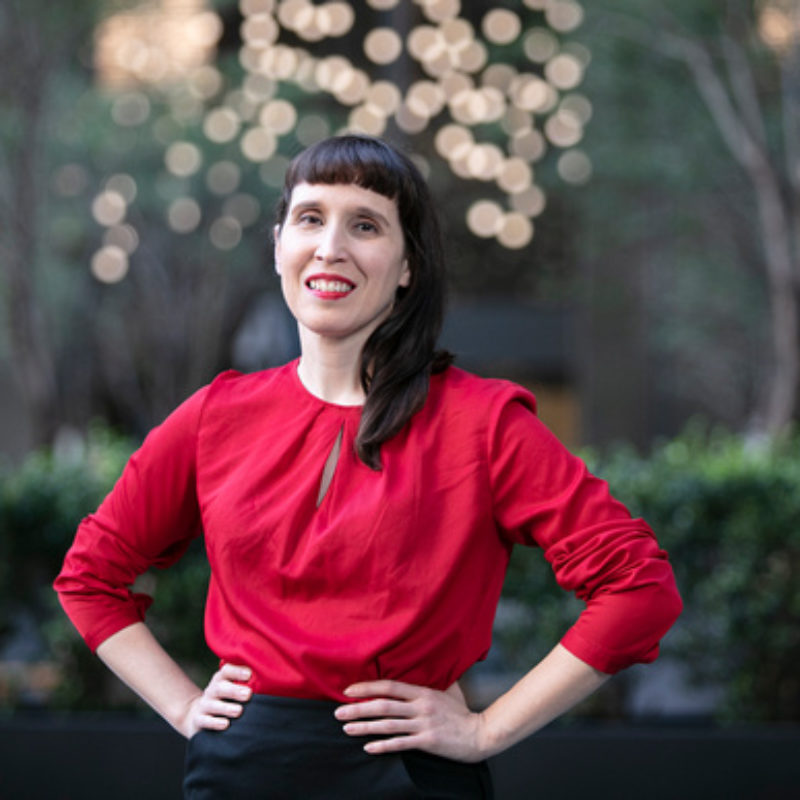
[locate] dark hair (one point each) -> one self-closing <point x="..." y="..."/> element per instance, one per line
<point x="400" y="355"/>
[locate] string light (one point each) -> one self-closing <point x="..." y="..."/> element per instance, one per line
<point x="535" y="107"/>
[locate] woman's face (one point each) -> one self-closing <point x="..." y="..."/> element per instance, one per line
<point x="340" y="253"/>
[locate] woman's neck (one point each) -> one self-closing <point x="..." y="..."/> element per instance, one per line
<point x="330" y="369"/>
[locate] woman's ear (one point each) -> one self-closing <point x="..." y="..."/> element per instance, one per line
<point x="276" y="250"/>
<point x="405" y="275"/>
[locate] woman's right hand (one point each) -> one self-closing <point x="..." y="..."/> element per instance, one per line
<point x="220" y="702"/>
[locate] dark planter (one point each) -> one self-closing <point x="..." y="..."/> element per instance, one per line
<point x="106" y="757"/>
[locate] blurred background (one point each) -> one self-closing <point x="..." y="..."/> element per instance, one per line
<point x="619" y="183"/>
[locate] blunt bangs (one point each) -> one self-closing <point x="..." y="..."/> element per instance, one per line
<point x="359" y="160"/>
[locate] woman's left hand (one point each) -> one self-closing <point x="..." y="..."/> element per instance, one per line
<point x="413" y="717"/>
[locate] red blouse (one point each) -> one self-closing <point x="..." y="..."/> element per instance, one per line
<point x="395" y="574"/>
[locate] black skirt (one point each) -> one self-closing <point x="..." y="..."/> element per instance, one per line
<point x="285" y="748"/>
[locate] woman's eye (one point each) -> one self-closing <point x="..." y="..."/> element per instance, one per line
<point x="366" y="227"/>
<point x="309" y="219"/>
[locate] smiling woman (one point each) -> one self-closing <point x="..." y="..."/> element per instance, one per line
<point x="359" y="506"/>
<point x="341" y="257"/>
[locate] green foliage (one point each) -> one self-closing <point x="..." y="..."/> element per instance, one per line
<point x="41" y="503"/>
<point x="728" y="511"/>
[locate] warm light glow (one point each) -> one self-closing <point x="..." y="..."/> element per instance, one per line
<point x="124" y="185"/>
<point x="205" y="82"/>
<point x="258" y="144"/>
<point x="183" y="215"/>
<point x="578" y="105"/>
<point x="110" y="264"/>
<point x="531" y="111"/>
<point x="109" y="208"/>
<point x="499" y="76"/>
<point x="223" y="177"/>
<point x="383" y="96"/>
<point x="484" y="218"/>
<point x="454" y="82"/>
<point x="425" y="98"/>
<point x="183" y="159"/>
<point x="225" y="233"/>
<point x="473" y="57"/>
<point x="515" y="231"/>
<point x="279" y="62"/>
<point x="528" y="144"/>
<point x="575" y="167"/>
<point x="515" y="175"/>
<point x="409" y="121"/>
<point x="426" y="43"/>
<point x="501" y="26"/>
<point x="221" y="125"/>
<point x="453" y="141"/>
<point x="440" y="10"/>
<point x="485" y="161"/>
<point x="260" y="30"/>
<point x="248" y="7"/>
<point x="564" y="71"/>
<point x="530" y="202"/>
<point x="564" y="15"/>
<point x="457" y="33"/>
<point x="383" y="45"/>
<point x="531" y="93"/>
<point x="124" y="237"/>
<point x="367" y="119"/>
<point x="335" y="19"/>
<point x="278" y="116"/>
<point x="540" y="45"/>
<point x="155" y="43"/>
<point x="563" y="129"/>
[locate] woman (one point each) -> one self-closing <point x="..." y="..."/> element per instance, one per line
<point x="359" y="506"/>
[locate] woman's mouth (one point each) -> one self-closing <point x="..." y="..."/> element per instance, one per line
<point x="330" y="287"/>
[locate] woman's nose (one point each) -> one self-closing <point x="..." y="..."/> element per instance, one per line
<point x="330" y="247"/>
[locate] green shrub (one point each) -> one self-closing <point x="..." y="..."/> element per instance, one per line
<point x="41" y="503"/>
<point x="728" y="511"/>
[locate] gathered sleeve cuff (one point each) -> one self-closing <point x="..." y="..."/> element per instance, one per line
<point x="147" y="520"/>
<point x="545" y="496"/>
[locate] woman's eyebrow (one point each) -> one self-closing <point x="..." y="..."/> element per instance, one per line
<point x="364" y="211"/>
<point x="358" y="211"/>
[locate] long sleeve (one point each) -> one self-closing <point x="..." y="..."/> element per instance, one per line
<point x="148" y="519"/>
<point x="545" y="496"/>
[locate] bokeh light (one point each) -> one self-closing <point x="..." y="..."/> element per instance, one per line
<point x="574" y="166"/>
<point x="110" y="264"/>
<point x="183" y="159"/>
<point x="184" y="215"/>
<point x="223" y="177"/>
<point x="109" y="208"/>
<point x="484" y="218"/>
<point x="452" y="91"/>
<point x="501" y="26"/>
<point x="383" y="45"/>
<point x="123" y="236"/>
<point x="225" y="233"/>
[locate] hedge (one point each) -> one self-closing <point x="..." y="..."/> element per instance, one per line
<point x="725" y="507"/>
